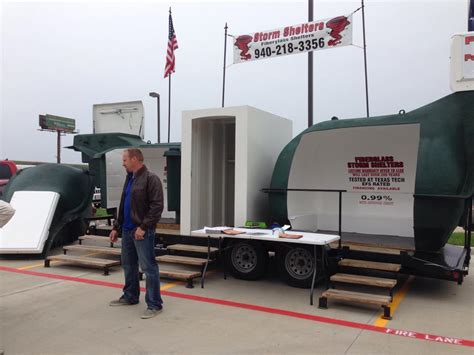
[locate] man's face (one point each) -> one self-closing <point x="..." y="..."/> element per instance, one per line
<point x="128" y="163"/>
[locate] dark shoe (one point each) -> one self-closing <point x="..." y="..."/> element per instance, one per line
<point x="150" y="313"/>
<point x="121" y="302"/>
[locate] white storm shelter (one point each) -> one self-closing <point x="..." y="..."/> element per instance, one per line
<point x="119" y="117"/>
<point x="227" y="158"/>
<point x="369" y="163"/>
<point x="28" y="230"/>
<point x="154" y="160"/>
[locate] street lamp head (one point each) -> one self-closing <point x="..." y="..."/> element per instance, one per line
<point x="154" y="94"/>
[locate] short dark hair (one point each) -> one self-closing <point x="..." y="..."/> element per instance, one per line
<point x="135" y="152"/>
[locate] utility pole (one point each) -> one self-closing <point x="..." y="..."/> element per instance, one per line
<point x="157" y="96"/>
<point x="58" y="148"/>
<point x="223" y="70"/>
<point x="310" y="70"/>
<point x="60" y="125"/>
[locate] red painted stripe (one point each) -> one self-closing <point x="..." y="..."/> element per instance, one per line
<point x="282" y="312"/>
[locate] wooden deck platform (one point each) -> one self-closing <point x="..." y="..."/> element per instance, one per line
<point x="364" y="280"/>
<point x="364" y="264"/>
<point x="184" y="260"/>
<point x="104" y="264"/>
<point x="357" y="297"/>
<point x="91" y="248"/>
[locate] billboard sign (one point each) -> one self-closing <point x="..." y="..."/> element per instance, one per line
<point x="57" y="123"/>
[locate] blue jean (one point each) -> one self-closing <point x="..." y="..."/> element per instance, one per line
<point x="135" y="252"/>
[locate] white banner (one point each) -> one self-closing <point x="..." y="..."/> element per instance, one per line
<point x="468" y="57"/>
<point x="302" y="38"/>
<point x="462" y="62"/>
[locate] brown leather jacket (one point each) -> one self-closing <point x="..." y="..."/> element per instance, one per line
<point x="146" y="200"/>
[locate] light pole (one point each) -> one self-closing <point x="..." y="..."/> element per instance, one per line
<point x="155" y="94"/>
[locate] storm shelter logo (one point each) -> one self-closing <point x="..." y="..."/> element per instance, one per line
<point x="337" y="25"/>
<point x="242" y="43"/>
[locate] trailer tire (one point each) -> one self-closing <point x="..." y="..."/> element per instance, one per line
<point x="296" y="265"/>
<point x="246" y="260"/>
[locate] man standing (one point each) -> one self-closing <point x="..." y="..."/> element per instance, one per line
<point x="140" y="210"/>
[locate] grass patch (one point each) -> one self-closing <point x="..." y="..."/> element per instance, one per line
<point x="457" y="238"/>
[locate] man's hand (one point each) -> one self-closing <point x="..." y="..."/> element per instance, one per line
<point x="113" y="236"/>
<point x="139" y="234"/>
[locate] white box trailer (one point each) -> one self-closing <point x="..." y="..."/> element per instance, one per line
<point x="227" y="157"/>
<point x="103" y="152"/>
<point x="115" y="174"/>
<point x="119" y="117"/>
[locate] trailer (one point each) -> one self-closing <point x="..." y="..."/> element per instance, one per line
<point x="393" y="188"/>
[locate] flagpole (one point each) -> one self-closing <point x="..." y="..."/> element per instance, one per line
<point x="169" y="99"/>
<point x="365" y="61"/>
<point x="470" y="21"/>
<point x="225" y="52"/>
<point x="170" y="64"/>
<point x="310" y="70"/>
<point x="169" y="106"/>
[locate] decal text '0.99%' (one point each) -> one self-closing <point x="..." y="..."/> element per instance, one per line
<point x="376" y="198"/>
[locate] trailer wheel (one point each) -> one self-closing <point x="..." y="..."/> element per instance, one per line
<point x="247" y="261"/>
<point x="296" y="266"/>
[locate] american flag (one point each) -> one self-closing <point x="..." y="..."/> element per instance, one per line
<point x="172" y="45"/>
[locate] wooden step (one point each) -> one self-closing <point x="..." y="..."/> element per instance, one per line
<point x="357" y="297"/>
<point x="98" y="238"/>
<point x="363" y="264"/>
<point x="191" y="248"/>
<point x="183" y="275"/>
<point x="91" y="248"/>
<point x="179" y="274"/>
<point x="185" y="260"/>
<point x="364" y="280"/>
<point x="172" y="226"/>
<point x="104" y="264"/>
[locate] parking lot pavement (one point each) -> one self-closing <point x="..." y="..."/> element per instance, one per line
<point x="64" y="309"/>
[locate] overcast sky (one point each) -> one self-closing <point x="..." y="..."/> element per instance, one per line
<point x="61" y="58"/>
